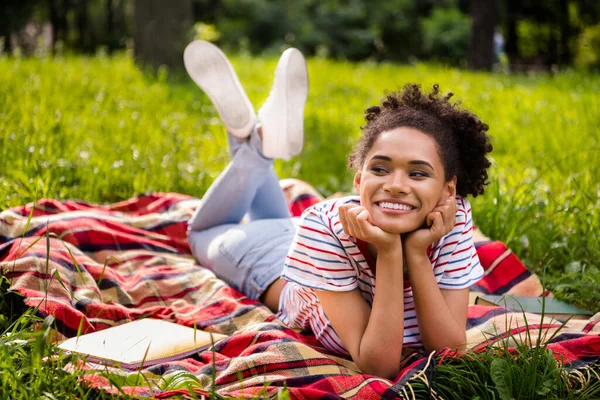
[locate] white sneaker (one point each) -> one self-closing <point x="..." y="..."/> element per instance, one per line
<point x="282" y="115"/>
<point x="208" y="66"/>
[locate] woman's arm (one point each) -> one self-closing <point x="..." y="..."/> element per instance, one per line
<point x="372" y="335"/>
<point x="441" y="314"/>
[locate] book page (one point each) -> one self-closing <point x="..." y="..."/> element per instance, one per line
<point x="128" y="343"/>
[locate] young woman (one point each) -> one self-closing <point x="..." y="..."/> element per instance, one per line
<point x="371" y="275"/>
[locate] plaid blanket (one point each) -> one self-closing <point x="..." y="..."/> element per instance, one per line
<point x="95" y="266"/>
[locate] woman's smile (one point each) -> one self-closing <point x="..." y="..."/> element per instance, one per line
<point x="394" y="207"/>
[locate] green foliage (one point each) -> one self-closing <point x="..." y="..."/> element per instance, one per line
<point x="206" y="32"/>
<point x="399" y="33"/>
<point x="588" y="48"/>
<point x="352" y="30"/>
<point x="344" y="29"/>
<point x="30" y="367"/>
<point x="263" y="24"/>
<point x="520" y="367"/>
<point x="533" y="38"/>
<point x="446" y="35"/>
<point x="521" y="373"/>
<point x="390" y="30"/>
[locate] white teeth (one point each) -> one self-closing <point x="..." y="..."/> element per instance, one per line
<point x="395" y="206"/>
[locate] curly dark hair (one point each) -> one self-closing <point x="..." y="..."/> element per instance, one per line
<point x="461" y="136"/>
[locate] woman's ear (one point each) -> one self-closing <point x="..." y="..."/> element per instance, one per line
<point x="357" y="177"/>
<point x="450" y="189"/>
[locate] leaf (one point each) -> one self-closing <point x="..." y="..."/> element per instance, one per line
<point x="573" y="267"/>
<point x="180" y="380"/>
<point x="41" y="340"/>
<point x="500" y="372"/>
<point x="74" y="261"/>
<point x="62" y="283"/>
<point x="548" y="386"/>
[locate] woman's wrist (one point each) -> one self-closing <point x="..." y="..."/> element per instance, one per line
<point x="391" y="249"/>
<point x="415" y="258"/>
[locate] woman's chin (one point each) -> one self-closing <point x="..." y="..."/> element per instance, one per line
<point x="399" y="227"/>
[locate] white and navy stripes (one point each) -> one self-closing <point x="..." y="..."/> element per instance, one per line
<point x="323" y="257"/>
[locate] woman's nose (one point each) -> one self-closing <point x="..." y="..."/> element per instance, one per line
<point x="397" y="184"/>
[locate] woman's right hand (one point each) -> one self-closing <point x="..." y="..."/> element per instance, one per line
<point x="356" y="222"/>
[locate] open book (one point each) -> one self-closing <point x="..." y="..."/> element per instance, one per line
<point x="554" y="308"/>
<point x="144" y="342"/>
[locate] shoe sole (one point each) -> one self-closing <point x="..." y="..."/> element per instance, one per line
<point x="208" y="66"/>
<point x="297" y="93"/>
<point x="292" y="76"/>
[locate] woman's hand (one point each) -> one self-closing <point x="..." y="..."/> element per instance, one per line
<point x="439" y="223"/>
<point x="356" y="222"/>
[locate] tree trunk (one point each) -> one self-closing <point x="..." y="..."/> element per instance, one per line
<point x="58" y="20"/>
<point x="552" y="52"/>
<point x="110" y="18"/>
<point x="484" y="15"/>
<point x="6" y="42"/>
<point x="162" y="30"/>
<point x="565" y="56"/>
<point x="110" y="25"/>
<point x="53" y="23"/>
<point x="511" y="47"/>
<point x="84" y="39"/>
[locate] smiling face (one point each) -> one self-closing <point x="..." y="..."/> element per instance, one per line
<point x="402" y="180"/>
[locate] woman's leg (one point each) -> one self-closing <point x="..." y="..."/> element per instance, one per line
<point x="248" y="256"/>
<point x="269" y="200"/>
<point x="247" y="185"/>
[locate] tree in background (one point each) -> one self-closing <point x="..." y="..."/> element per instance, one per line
<point x="538" y="34"/>
<point x="162" y="30"/>
<point x="546" y="32"/>
<point x="85" y="26"/>
<point x="446" y="35"/>
<point x="399" y="33"/>
<point x="484" y="17"/>
<point x="345" y="29"/>
<point x="58" y="10"/>
<point x="14" y="14"/>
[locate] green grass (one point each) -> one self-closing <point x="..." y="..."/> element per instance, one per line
<point x="98" y="129"/>
<point x="500" y="373"/>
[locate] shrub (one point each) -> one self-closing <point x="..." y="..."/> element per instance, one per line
<point x="588" y="48"/>
<point x="446" y="35"/>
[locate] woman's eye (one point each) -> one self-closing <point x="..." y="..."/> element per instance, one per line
<point x="378" y="170"/>
<point x="419" y="174"/>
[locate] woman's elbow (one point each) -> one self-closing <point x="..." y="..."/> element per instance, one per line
<point x="383" y="371"/>
<point x="385" y="366"/>
<point x="454" y="343"/>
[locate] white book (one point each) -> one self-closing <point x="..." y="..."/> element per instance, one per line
<point x="144" y="342"/>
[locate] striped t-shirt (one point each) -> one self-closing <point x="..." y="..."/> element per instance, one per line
<point x="323" y="257"/>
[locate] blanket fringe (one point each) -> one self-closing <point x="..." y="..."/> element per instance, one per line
<point x="423" y="378"/>
<point x="580" y="379"/>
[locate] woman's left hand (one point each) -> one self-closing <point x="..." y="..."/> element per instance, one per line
<point x="438" y="223"/>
